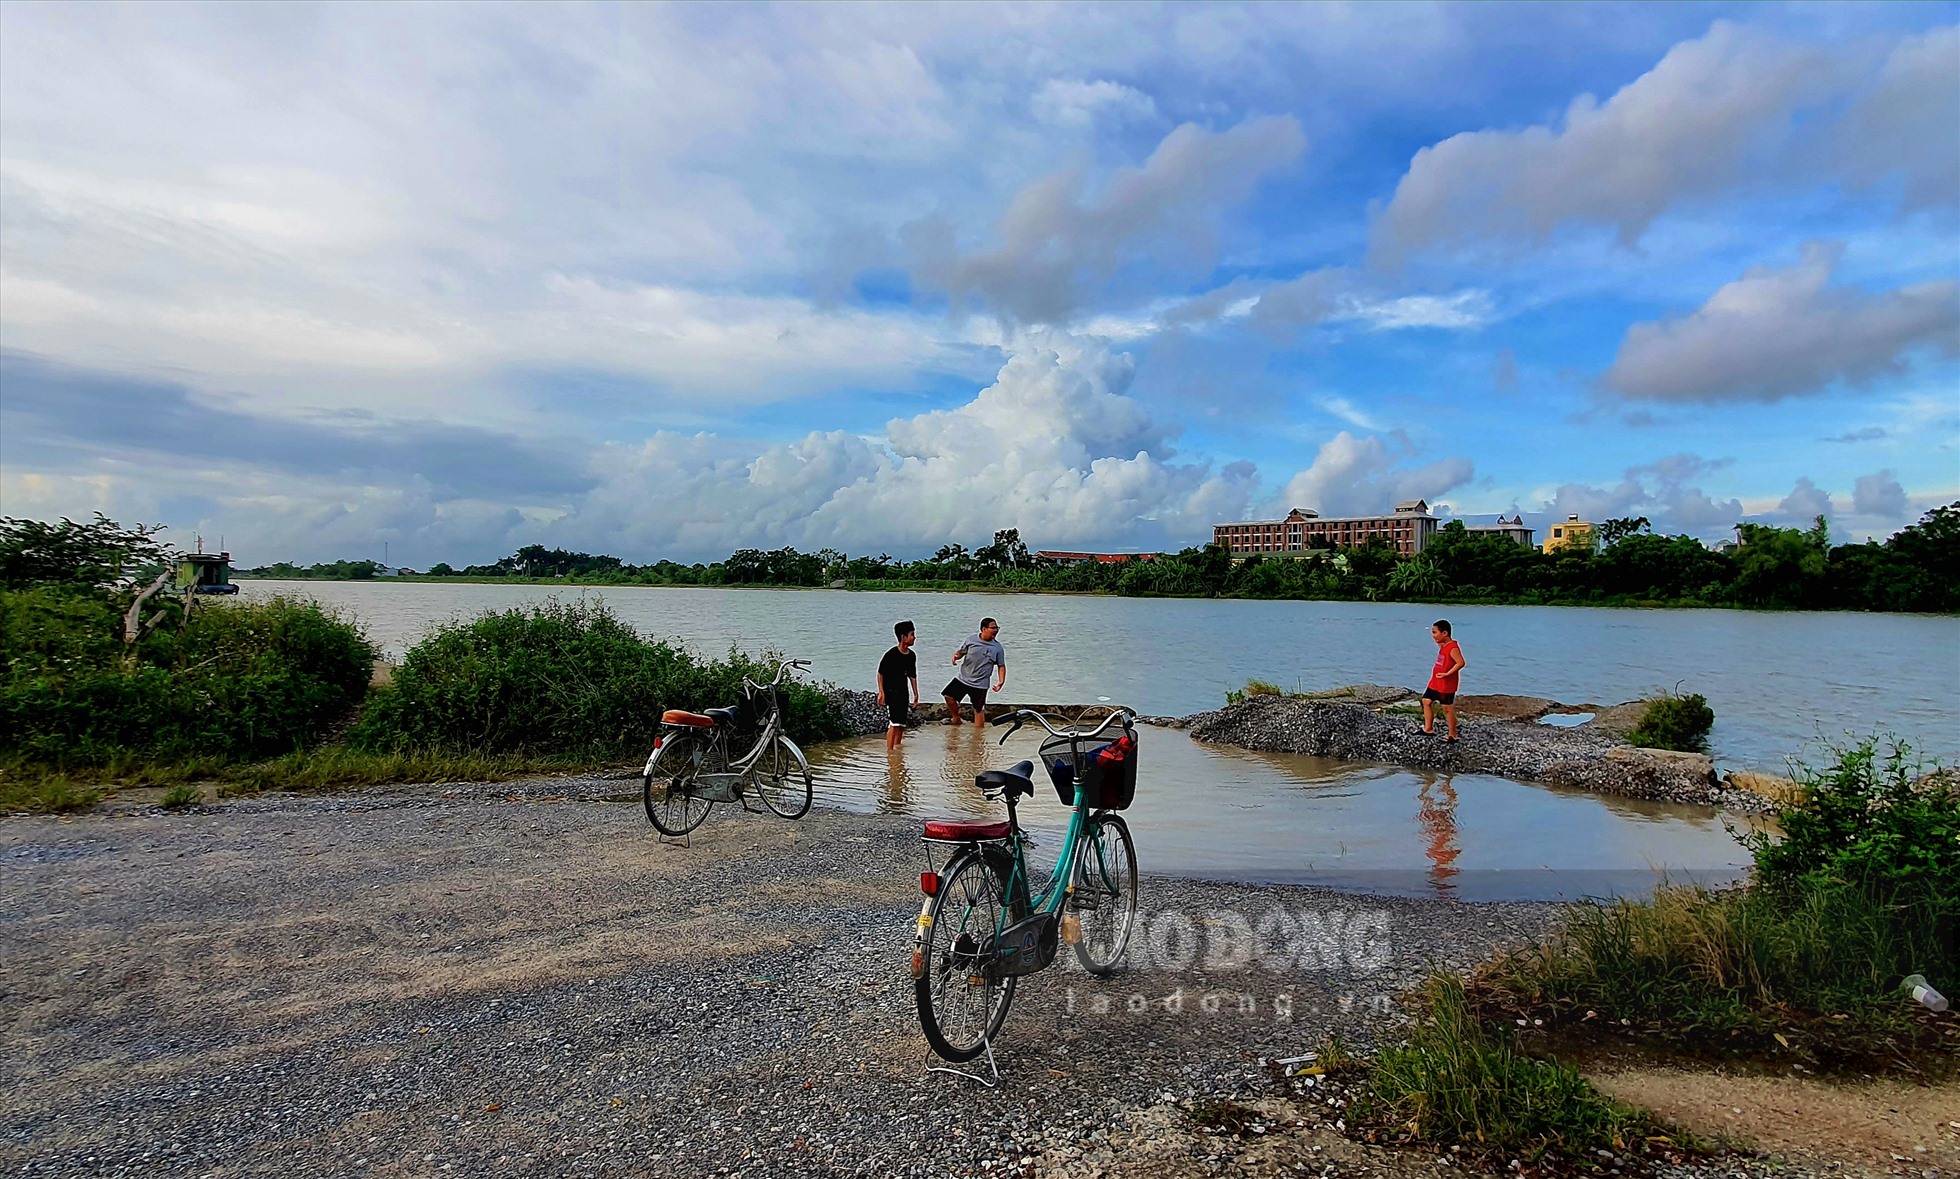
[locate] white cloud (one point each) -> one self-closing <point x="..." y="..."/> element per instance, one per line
<point x="1360" y="476"/>
<point x="1348" y="412"/>
<point x="1782" y="333"/>
<point x="1053" y="447"/>
<point x="1718" y="113"/>
<point x="1879" y="494"/>
<point x="1067" y="102"/>
<point x="1665" y="491"/>
<point x="1055" y="247"/>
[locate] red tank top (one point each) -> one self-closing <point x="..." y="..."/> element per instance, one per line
<point x="1445" y="658"/>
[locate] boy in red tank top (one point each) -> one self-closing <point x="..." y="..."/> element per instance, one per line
<point x="1442" y="681"/>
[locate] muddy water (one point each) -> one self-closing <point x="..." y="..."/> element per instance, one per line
<point x="1234" y="814"/>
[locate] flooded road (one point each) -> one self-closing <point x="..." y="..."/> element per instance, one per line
<point x="1210" y="811"/>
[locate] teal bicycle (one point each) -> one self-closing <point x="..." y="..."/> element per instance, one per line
<point x="986" y="921"/>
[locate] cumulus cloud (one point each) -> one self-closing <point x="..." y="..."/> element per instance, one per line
<point x="1054" y="447"/>
<point x="1879" y="494"/>
<point x="1055" y="244"/>
<point x="1781" y="333"/>
<point x="1716" y="113"/>
<point x="1360" y="475"/>
<point x="1806" y="502"/>
<point x="1665" y="491"/>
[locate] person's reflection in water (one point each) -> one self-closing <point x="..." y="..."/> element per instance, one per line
<point x="1438" y="817"/>
<point x="964" y="760"/>
<point x="898" y="783"/>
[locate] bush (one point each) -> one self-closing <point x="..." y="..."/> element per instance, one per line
<point x="562" y="679"/>
<point x="1458" y="1081"/>
<point x="1862" y="890"/>
<point x="236" y="680"/>
<point x="1675" y="722"/>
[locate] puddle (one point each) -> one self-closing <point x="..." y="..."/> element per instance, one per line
<point x="1233" y="814"/>
<point x="1566" y="720"/>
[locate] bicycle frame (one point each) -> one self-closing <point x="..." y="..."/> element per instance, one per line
<point x="772" y="729"/>
<point x="1062" y="883"/>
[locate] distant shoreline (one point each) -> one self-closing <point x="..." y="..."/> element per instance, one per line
<point x="961" y="587"/>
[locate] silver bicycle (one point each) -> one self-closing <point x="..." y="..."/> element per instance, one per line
<point x="692" y="766"/>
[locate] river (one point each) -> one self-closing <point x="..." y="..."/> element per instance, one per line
<point x="1781" y="684"/>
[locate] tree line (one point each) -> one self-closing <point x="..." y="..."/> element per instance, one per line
<point x="1620" y="562"/>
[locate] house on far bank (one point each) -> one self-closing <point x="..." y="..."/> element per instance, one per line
<point x="1572" y="531"/>
<point x="1098" y="558"/>
<point x="203" y="573"/>
<point x="1513" y="529"/>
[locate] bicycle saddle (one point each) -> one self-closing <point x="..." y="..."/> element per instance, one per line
<point x="1016" y="780"/>
<point x="724" y="717"/>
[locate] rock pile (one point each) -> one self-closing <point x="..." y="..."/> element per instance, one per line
<point x="1587" y="758"/>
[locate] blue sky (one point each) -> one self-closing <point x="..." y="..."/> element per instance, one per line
<point x="668" y="281"/>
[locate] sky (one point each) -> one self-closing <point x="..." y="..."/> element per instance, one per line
<point x="669" y="281"/>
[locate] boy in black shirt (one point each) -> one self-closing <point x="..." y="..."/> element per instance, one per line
<point x="898" y="666"/>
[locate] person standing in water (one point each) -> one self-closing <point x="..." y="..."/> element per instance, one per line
<point x="976" y="657"/>
<point x="1442" y="681"/>
<point x="899" y="667"/>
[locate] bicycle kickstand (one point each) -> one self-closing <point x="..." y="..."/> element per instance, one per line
<point x="992" y="1066"/>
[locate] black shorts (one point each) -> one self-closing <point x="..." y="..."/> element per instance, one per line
<point x="899" y="711"/>
<point x="957" y="691"/>
<point x="1439" y="696"/>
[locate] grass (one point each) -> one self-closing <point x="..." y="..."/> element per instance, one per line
<point x="34" y="788"/>
<point x="1459" y="1081"/>
<point x="1811" y="978"/>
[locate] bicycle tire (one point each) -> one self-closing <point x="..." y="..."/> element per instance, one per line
<point x="958" y="1017"/>
<point x="667" y="788"/>
<point x="782" y="780"/>
<point x="1105" y="901"/>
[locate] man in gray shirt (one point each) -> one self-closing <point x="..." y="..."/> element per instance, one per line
<point x="976" y="657"/>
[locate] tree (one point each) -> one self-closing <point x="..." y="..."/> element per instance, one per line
<point x="1420" y="578"/>
<point x="1780" y="566"/>
<point x="1618" y="529"/>
<point x="99" y="553"/>
<point x="441" y="569"/>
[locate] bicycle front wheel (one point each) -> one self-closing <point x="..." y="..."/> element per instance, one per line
<point x="782" y="780"/>
<point x="962" y="1003"/>
<point x="1105" y="893"/>
<point x="668" y="788"/>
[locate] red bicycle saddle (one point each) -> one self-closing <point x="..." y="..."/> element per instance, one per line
<point x="962" y="829"/>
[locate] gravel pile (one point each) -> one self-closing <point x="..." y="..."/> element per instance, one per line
<point x="860" y="710"/>
<point x="1573" y="757"/>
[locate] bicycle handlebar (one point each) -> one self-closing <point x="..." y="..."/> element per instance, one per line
<point x="782" y="670"/>
<point x="1021" y="716"/>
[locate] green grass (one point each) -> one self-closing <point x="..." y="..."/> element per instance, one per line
<point x="34" y="788"/>
<point x="182" y="795"/>
<point x="1457" y="1081"/>
<point x="45" y="794"/>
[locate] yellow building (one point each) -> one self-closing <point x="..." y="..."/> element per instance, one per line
<point x="1572" y="531"/>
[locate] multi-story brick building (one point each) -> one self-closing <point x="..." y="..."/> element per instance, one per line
<point x="1408" y="528"/>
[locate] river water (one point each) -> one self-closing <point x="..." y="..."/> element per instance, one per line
<point x="1779" y="683"/>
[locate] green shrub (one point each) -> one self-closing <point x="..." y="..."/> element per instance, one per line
<point x="183" y="794"/>
<point x="562" y="679"/>
<point x="1675" y="722"/>
<point x="1458" y="1081"/>
<point x="236" y="680"/>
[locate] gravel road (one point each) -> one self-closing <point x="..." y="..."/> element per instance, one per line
<point x="522" y="979"/>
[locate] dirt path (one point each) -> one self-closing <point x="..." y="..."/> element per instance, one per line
<point x="1876" y="1127"/>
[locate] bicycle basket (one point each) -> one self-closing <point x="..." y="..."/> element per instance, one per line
<point x="758" y="702"/>
<point x="1105" y="766"/>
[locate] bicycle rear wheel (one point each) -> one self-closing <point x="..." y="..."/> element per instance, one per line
<point x="961" y="1002"/>
<point x="782" y="780"/>
<point x="1105" y="893"/>
<point x="668" y="787"/>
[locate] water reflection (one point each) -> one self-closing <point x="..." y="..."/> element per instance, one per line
<point x="1236" y="814"/>
<point x="1437" y="814"/>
